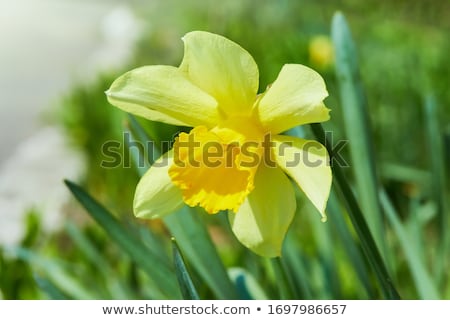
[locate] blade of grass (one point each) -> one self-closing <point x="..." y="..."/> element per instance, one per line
<point x="114" y="286"/>
<point x="322" y="235"/>
<point x="296" y="267"/>
<point x="421" y="276"/>
<point x="357" y="126"/>
<point x="85" y="246"/>
<point x="438" y="175"/>
<point x="400" y="172"/>
<point x="187" y="287"/>
<point x="52" y="291"/>
<point x="414" y="226"/>
<point x="326" y="258"/>
<point x="137" y="155"/>
<point x="352" y="249"/>
<point x="154" y="242"/>
<point x="158" y="271"/>
<point x="193" y="238"/>
<point x="359" y="223"/>
<point x="56" y="273"/>
<point x="283" y="280"/>
<point x="152" y="151"/>
<point x="248" y="288"/>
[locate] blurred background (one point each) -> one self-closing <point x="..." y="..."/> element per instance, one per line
<point x="58" y="57"/>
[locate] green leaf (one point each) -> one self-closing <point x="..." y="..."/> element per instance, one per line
<point x="293" y="256"/>
<point x="357" y="127"/>
<point x="359" y="223"/>
<point x="57" y="274"/>
<point x="193" y="238"/>
<point x="152" y="152"/>
<point x="137" y="155"/>
<point x="187" y="287"/>
<point x="248" y="288"/>
<point x="154" y="242"/>
<point x="326" y="248"/>
<point x="351" y="247"/>
<point x="421" y="276"/>
<point x="159" y="272"/>
<point x="283" y="279"/>
<point x="402" y="173"/>
<point x="85" y="246"/>
<point x="438" y="181"/>
<point x="115" y="286"/>
<point x="52" y="291"/>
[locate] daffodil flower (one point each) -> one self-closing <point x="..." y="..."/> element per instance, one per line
<point x="235" y="157"/>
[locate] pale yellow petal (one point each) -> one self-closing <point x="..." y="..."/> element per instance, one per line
<point x="264" y="218"/>
<point x="156" y="195"/>
<point x="163" y="93"/>
<point x="295" y="98"/>
<point x="221" y="68"/>
<point x="307" y="162"/>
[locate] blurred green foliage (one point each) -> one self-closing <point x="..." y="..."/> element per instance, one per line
<point x="402" y="49"/>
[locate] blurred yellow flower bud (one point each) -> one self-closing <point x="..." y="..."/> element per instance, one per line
<point x="321" y="53"/>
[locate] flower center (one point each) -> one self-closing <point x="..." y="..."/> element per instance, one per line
<point x="216" y="168"/>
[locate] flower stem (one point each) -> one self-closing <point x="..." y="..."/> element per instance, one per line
<point x="359" y="223"/>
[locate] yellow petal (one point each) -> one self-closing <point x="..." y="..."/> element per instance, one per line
<point x="221" y="68"/>
<point x="210" y="172"/>
<point x="307" y="162"/>
<point x="156" y="195"/>
<point x="294" y="98"/>
<point x="264" y="218"/>
<point x="164" y="94"/>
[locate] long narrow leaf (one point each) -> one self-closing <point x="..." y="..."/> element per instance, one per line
<point x="357" y="126"/>
<point x="193" y="238"/>
<point x="115" y="286"/>
<point x="57" y="274"/>
<point x="296" y="266"/>
<point x="325" y="247"/>
<point x="158" y="271"/>
<point x="359" y="223"/>
<point x="52" y="291"/>
<point x="85" y="246"/>
<point x="438" y="178"/>
<point x="187" y="287"/>
<point x="248" y="288"/>
<point x="323" y="239"/>
<point x="138" y="157"/>
<point x="284" y="282"/>
<point x="352" y="249"/>
<point x="421" y="276"/>
<point x="152" y="151"/>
